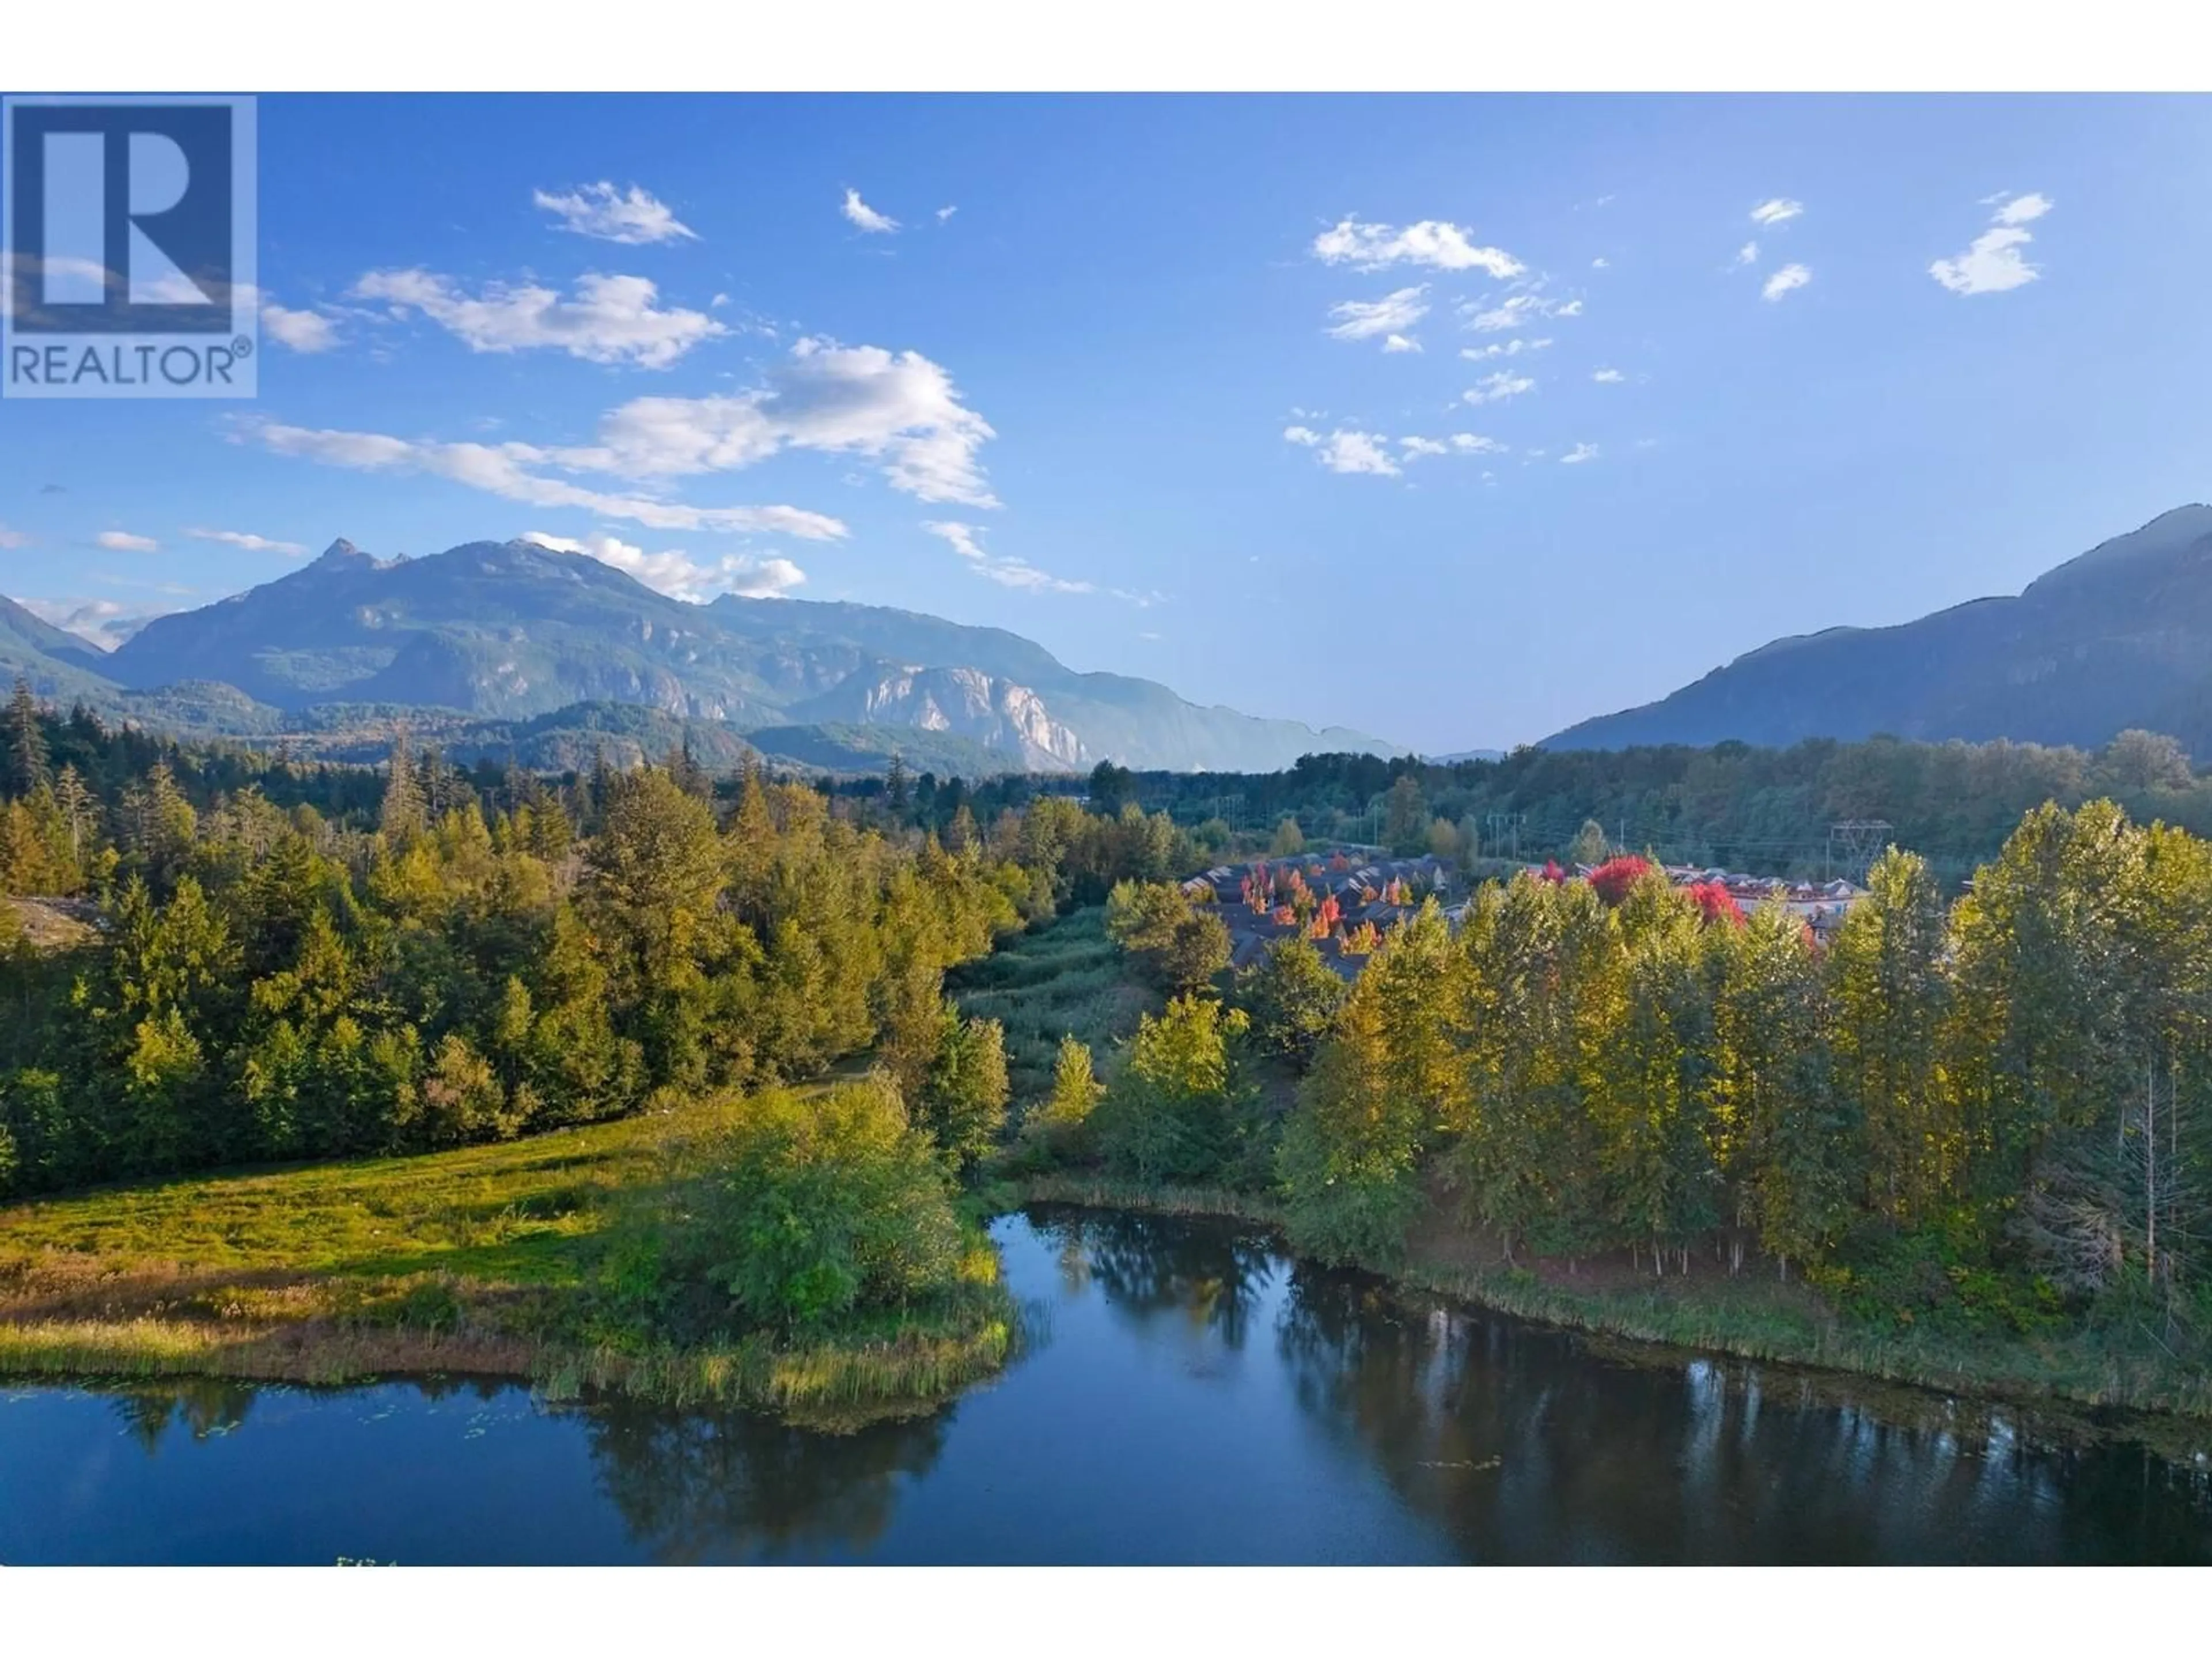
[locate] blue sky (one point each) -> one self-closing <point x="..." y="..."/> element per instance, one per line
<point x="1137" y="397"/>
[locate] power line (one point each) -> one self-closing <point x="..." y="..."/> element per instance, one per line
<point x="1854" y="845"/>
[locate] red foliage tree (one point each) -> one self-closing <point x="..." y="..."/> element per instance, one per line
<point x="1553" y="873"/>
<point x="1616" y="875"/>
<point x="1714" y="902"/>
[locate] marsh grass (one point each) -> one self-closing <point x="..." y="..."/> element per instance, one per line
<point x="1065" y="978"/>
<point x="480" y="1261"/>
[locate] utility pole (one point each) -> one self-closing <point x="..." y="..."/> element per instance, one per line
<point x="1854" y="844"/>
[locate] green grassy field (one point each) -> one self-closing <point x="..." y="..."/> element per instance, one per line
<point x="1065" y="978"/>
<point x="479" y="1260"/>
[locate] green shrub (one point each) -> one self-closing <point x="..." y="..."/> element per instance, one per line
<point x="795" y="1212"/>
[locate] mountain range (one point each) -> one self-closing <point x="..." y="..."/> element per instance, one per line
<point x="2119" y="637"/>
<point x="519" y="643"/>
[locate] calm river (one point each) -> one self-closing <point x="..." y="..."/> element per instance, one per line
<point x="1190" y="1396"/>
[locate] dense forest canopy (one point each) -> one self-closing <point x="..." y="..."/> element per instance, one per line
<point x="326" y="961"/>
<point x="1995" y="1111"/>
<point x="1763" y="810"/>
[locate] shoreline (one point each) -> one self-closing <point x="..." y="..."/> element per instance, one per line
<point x="353" y="1332"/>
<point x="826" y="1382"/>
<point x="1729" y="1319"/>
<point x="484" y="1261"/>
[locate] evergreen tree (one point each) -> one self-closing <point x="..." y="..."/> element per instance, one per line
<point x="405" y="811"/>
<point x="25" y="742"/>
<point x="964" y="1098"/>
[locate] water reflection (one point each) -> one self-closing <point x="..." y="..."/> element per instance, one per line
<point x="1530" y="1447"/>
<point x="733" y="1486"/>
<point x="1200" y="1398"/>
<point x="1211" y="1278"/>
<point x="200" y="1406"/>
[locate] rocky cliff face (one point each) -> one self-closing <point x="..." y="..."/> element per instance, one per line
<point x="963" y="702"/>
<point x="512" y="630"/>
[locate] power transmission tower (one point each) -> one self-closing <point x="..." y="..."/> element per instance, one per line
<point x="1503" y="829"/>
<point x="1854" y="844"/>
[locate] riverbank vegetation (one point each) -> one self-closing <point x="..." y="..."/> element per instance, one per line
<point x="805" y="1252"/>
<point x="1963" y="1141"/>
<point x="413" y="965"/>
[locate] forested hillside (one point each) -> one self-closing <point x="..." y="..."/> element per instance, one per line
<point x="1767" y="811"/>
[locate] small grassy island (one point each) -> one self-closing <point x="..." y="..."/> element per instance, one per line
<point x="800" y="1252"/>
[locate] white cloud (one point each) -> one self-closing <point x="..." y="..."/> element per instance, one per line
<point x="611" y="320"/>
<point x="304" y="331"/>
<point x="122" y="541"/>
<point x="681" y="576"/>
<point x="1397" y="342"/>
<point x="1357" y="452"/>
<point x="1348" y="452"/>
<point x="1745" y="255"/>
<point x="897" y="408"/>
<point x="1600" y="263"/>
<point x="1515" y="311"/>
<point x="1994" y="262"/>
<point x="866" y="217"/>
<point x="103" y="623"/>
<point x="12" y="539"/>
<point x="251" y="544"/>
<point x="752" y="578"/>
<point x="1362" y="319"/>
<point x="1608" y="377"/>
<point x="1432" y="242"/>
<point x="966" y="540"/>
<point x="945" y="213"/>
<point x="1496" y="388"/>
<point x="1783" y="281"/>
<point x="963" y="538"/>
<point x="1512" y="348"/>
<point x="1352" y="452"/>
<point x="601" y="211"/>
<point x="1776" y="210"/>
<point x="505" y="470"/>
<point x="1578" y="454"/>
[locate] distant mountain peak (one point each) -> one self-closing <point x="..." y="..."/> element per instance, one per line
<point x="516" y="630"/>
<point x="342" y="555"/>
<point x="2116" y="637"/>
<point x="2168" y="534"/>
